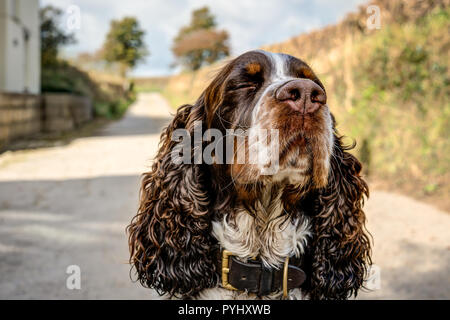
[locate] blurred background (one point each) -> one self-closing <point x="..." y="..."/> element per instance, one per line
<point x="87" y="86"/>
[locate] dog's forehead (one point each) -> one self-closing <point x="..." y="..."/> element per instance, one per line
<point x="279" y="65"/>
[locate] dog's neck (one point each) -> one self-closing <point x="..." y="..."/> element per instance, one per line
<point x="262" y="228"/>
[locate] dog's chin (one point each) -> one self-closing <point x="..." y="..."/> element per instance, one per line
<point x="291" y="176"/>
<point x="296" y="165"/>
<point x="300" y="167"/>
<point x="304" y="159"/>
<point x="294" y="170"/>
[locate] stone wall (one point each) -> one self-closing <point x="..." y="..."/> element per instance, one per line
<point x="24" y="115"/>
<point x="20" y="116"/>
<point x="64" y="112"/>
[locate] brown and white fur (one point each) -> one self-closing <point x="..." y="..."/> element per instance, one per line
<point x="310" y="208"/>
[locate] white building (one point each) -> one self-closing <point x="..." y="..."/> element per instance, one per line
<point x="20" y="61"/>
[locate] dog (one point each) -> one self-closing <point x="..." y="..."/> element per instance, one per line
<point x="230" y="229"/>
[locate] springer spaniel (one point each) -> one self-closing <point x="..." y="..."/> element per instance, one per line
<point x="229" y="230"/>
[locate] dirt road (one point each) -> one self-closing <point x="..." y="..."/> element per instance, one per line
<point x="69" y="205"/>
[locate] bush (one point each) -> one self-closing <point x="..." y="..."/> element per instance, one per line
<point x="110" y="100"/>
<point x="400" y="107"/>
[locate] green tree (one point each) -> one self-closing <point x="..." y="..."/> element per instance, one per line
<point x="199" y="42"/>
<point x="52" y="35"/>
<point x="124" y="44"/>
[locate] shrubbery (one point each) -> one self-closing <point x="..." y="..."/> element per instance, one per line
<point x="401" y="108"/>
<point x="110" y="99"/>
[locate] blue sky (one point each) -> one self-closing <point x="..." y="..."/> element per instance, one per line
<point x="251" y="23"/>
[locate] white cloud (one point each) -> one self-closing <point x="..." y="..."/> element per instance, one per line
<point x="251" y="23"/>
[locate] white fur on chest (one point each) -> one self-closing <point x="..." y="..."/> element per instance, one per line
<point x="270" y="235"/>
<point x="272" y="238"/>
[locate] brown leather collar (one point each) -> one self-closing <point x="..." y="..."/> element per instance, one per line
<point x="253" y="276"/>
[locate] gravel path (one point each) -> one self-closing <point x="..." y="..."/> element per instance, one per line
<point x="69" y="205"/>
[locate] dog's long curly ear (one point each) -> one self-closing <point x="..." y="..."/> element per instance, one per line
<point x="170" y="238"/>
<point x="341" y="245"/>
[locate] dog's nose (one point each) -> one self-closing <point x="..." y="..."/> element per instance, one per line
<point x="302" y="95"/>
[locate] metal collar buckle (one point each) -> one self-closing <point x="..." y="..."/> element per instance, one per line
<point x="226" y="269"/>
<point x="285" y="277"/>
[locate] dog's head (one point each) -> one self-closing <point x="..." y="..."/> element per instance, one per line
<point x="275" y="110"/>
